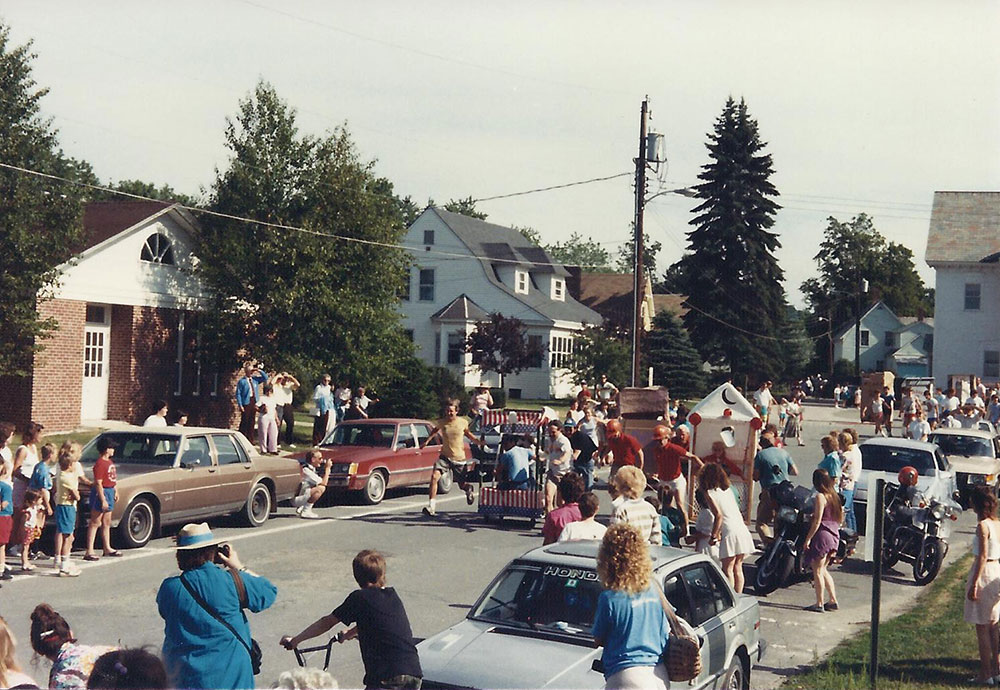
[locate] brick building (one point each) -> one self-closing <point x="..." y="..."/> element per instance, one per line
<point x="127" y="308"/>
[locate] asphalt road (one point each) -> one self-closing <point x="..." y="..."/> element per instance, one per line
<point x="438" y="565"/>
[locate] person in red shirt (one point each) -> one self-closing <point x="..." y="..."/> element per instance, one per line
<point x="718" y="455"/>
<point x="103" y="495"/>
<point x="571" y="487"/>
<point x="625" y="448"/>
<point x="668" y="456"/>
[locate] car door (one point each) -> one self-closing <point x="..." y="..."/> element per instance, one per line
<point x="700" y="596"/>
<point x="235" y="471"/>
<point x="407" y="459"/>
<point x="197" y="478"/>
<point x="428" y="455"/>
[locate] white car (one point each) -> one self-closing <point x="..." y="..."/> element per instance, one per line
<point x="885" y="457"/>
<point x="974" y="455"/>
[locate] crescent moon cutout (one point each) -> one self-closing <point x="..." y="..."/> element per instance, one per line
<point x="727" y="400"/>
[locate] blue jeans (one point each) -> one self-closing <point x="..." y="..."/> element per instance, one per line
<point x="850" y="521"/>
<point x="586" y="470"/>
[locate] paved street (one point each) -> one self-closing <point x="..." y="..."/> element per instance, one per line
<point x="439" y="566"/>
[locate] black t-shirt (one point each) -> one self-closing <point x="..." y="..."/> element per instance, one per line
<point x="582" y="442"/>
<point x="384" y="634"/>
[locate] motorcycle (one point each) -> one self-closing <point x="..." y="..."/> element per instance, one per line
<point x="782" y="558"/>
<point x="914" y="531"/>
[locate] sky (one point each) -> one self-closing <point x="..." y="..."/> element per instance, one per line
<point x="864" y="106"/>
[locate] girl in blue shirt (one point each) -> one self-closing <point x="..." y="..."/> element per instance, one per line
<point x="629" y="622"/>
<point x="831" y="461"/>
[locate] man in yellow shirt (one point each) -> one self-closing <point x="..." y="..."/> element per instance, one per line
<point x="453" y="431"/>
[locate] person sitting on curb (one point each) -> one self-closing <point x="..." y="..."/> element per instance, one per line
<point x="381" y="626"/>
<point x="311" y="485"/>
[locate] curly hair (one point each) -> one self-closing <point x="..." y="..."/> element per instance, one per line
<point x="629" y="482"/>
<point x="623" y="561"/>
<point x="712" y="476"/>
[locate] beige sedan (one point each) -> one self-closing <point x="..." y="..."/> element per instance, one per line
<point x="174" y="475"/>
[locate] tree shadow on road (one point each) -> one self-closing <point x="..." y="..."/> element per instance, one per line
<point x="466" y="522"/>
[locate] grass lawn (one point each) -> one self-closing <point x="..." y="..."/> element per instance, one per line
<point x="930" y="646"/>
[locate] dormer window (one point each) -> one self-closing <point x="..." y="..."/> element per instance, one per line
<point x="559" y="289"/>
<point x="521" y="282"/>
<point x="157" y="250"/>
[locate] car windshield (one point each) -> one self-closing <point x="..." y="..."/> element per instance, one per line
<point x="549" y="597"/>
<point x="961" y="445"/>
<point x="893" y="459"/>
<point x="373" y="435"/>
<point x="137" y="448"/>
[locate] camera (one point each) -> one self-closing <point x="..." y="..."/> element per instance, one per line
<point x="222" y="552"/>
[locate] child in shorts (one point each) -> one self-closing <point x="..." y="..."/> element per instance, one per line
<point x="103" y="495"/>
<point x="30" y="525"/>
<point x="68" y="482"/>
<point x="6" y="517"/>
<point x="41" y="479"/>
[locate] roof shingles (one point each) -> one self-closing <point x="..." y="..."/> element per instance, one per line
<point x="964" y="228"/>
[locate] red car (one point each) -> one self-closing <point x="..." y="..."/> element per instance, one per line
<point x="372" y="455"/>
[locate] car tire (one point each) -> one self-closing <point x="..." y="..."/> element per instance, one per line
<point x="738" y="675"/>
<point x="138" y="524"/>
<point x="446" y="481"/>
<point x="374" y="490"/>
<point x="258" y="506"/>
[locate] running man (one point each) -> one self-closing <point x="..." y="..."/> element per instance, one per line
<point x="453" y="430"/>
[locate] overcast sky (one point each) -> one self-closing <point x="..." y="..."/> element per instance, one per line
<point x="867" y="106"/>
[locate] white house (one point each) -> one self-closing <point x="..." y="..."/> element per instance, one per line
<point x="467" y="269"/>
<point x="901" y="344"/>
<point x="963" y="248"/>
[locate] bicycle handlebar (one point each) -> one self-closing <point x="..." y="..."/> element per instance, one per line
<point x="300" y="652"/>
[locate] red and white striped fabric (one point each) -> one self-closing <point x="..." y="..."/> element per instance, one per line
<point x="497" y="417"/>
<point x="512" y="498"/>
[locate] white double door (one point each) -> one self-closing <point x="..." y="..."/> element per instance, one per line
<point x="96" y="351"/>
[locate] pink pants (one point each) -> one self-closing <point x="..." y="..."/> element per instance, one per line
<point x="267" y="434"/>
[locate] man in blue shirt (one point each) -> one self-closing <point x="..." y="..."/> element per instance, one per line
<point x="771" y="466"/>
<point x="515" y="465"/>
<point x="247" y="395"/>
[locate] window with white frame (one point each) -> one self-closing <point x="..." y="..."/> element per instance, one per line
<point x="991" y="364"/>
<point x="521" y="282"/>
<point x="157" y="250"/>
<point x="972" y="296"/>
<point x="559" y="289"/>
<point x="456" y="348"/>
<point x="560" y="350"/>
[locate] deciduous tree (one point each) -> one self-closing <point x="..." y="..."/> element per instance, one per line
<point x="39" y="218"/>
<point x="581" y="251"/>
<point x="502" y="345"/>
<point x="595" y="352"/>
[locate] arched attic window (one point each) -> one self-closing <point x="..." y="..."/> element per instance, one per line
<point x="158" y="250"/>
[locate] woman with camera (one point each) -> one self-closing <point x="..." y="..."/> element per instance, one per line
<point x="207" y="641"/>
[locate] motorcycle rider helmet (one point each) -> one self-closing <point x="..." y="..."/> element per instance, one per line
<point x="908" y="476"/>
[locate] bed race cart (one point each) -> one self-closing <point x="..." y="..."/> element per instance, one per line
<point x="494" y="427"/>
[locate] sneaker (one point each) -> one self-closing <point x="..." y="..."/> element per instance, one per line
<point x="7" y="575"/>
<point x="291" y="445"/>
<point x="831" y="606"/>
<point x="298" y="511"/>
<point x="308" y="513"/>
<point x="470" y="495"/>
<point x="428" y="511"/>
<point x="38" y="555"/>
<point x="69" y="572"/>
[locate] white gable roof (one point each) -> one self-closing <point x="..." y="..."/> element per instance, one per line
<point x="725" y="397"/>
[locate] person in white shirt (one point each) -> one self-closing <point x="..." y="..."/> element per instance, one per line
<point x="918" y="428"/>
<point x="341" y="400"/>
<point x="311" y="484"/>
<point x="362" y="401"/>
<point x="6" y="455"/>
<point x="763" y="400"/>
<point x="159" y="416"/>
<point x="267" y="421"/>
<point x="285" y="386"/>
<point x="836" y="395"/>
<point x="953" y="402"/>
<point x="559" y="453"/>
<point x="587" y="527"/>
<point x="480" y="402"/>
<point x="606" y="391"/>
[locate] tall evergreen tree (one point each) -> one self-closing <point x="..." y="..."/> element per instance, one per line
<point x="730" y="275"/>
<point x="675" y="361"/>
<point x="39" y="218"/>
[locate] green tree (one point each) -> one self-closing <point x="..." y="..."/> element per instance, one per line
<point x="730" y="275"/>
<point x="467" y="207"/>
<point x="303" y="300"/>
<point x="502" y="345"/>
<point x="675" y="361"/>
<point x="39" y="217"/>
<point x="796" y="345"/>
<point x="850" y="253"/>
<point x="581" y="251"/>
<point x="625" y="262"/>
<point x="595" y="352"/>
<point x="144" y="189"/>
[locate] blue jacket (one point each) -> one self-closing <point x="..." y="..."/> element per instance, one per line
<point x="243" y="388"/>
<point x="199" y="652"/>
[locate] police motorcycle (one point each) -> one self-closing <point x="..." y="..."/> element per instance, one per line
<point x="914" y="528"/>
<point x="782" y="562"/>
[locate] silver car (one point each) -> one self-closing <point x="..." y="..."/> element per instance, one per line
<point x="531" y="627"/>
<point x="974" y="455"/>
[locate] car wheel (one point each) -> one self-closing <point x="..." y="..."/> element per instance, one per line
<point x="446" y="481"/>
<point x="138" y="524"/>
<point x="258" y="506"/>
<point x="374" y="490"/>
<point x="738" y="675"/>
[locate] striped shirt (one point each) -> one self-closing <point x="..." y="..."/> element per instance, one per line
<point x="642" y="516"/>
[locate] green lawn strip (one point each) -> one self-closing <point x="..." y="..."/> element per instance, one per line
<point x="930" y="646"/>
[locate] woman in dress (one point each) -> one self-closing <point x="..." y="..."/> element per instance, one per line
<point x="822" y="540"/>
<point x="630" y="622"/>
<point x="52" y="638"/>
<point x="982" y="604"/>
<point x="728" y="530"/>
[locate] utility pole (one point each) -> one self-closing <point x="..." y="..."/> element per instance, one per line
<point x="639" y="283"/>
